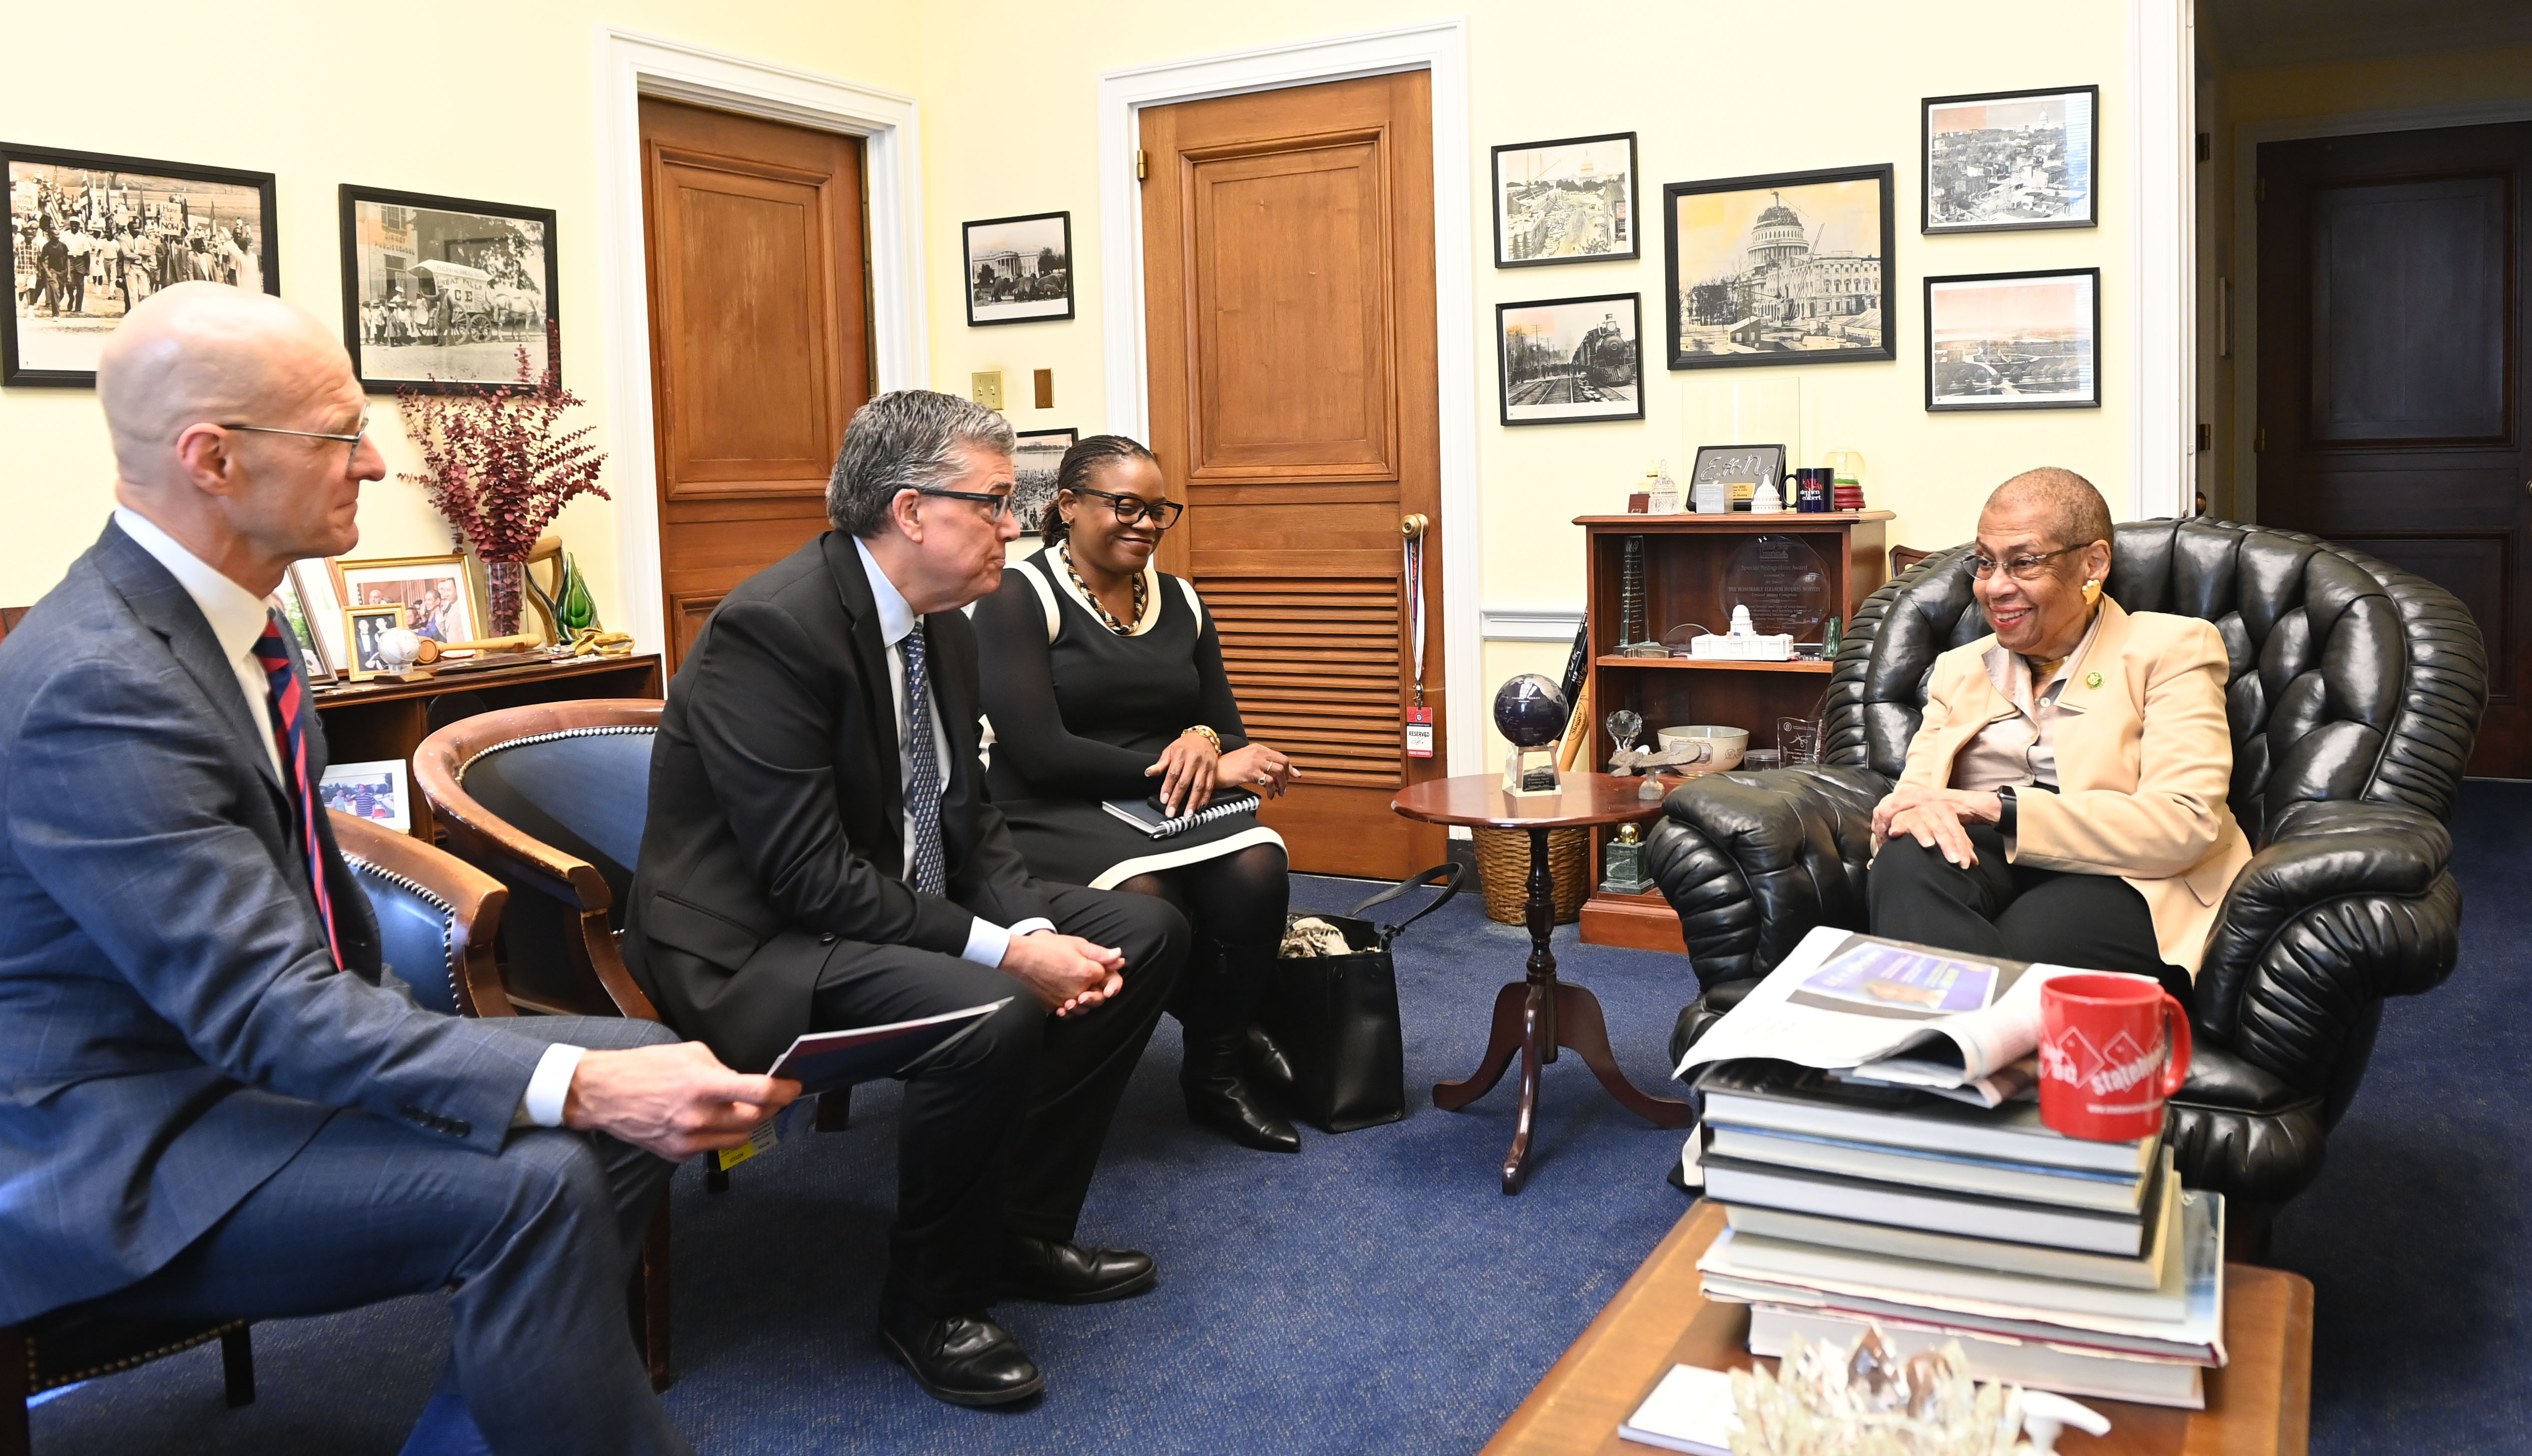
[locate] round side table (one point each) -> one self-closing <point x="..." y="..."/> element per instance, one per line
<point x="1539" y="1015"/>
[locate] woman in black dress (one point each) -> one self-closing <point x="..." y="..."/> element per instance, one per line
<point x="1103" y="679"/>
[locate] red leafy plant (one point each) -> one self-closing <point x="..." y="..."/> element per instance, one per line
<point x="498" y="466"/>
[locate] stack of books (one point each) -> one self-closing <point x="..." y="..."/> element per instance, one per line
<point x="2060" y="1264"/>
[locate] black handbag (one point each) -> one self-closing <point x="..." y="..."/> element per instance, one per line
<point x="1336" y="1016"/>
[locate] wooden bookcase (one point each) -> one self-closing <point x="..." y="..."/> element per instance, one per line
<point x="1684" y="560"/>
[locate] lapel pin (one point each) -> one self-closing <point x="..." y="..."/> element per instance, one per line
<point x="2092" y="679"/>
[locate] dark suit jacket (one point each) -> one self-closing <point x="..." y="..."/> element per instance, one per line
<point x="171" y="1027"/>
<point x="777" y="823"/>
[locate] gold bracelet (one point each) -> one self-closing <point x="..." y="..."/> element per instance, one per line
<point x="1210" y="736"/>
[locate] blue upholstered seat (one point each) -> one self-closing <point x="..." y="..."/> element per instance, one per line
<point x="584" y="791"/>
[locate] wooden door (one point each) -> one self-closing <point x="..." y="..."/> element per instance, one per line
<point x="2392" y="393"/>
<point x="1287" y="244"/>
<point x="760" y="342"/>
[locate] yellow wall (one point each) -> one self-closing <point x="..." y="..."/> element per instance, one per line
<point x="1008" y="126"/>
<point x="1012" y="129"/>
<point x="499" y="110"/>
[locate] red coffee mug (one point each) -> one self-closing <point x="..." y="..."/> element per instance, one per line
<point x="2112" y="1050"/>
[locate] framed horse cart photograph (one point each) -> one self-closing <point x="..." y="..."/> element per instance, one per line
<point x="441" y="293"/>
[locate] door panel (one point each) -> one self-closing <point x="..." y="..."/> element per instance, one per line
<point x="759" y="349"/>
<point x="1288" y="285"/>
<point x="2391" y="392"/>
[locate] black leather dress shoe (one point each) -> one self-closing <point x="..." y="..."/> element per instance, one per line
<point x="1070" y="1274"/>
<point x="966" y="1359"/>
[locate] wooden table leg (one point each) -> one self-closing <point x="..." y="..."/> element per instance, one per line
<point x="1538" y="1008"/>
<point x="1501" y="1043"/>
<point x="1581" y="1027"/>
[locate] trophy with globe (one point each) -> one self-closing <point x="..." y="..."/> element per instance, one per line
<point x="1531" y="712"/>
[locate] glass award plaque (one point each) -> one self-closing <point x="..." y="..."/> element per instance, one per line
<point x="1783" y="582"/>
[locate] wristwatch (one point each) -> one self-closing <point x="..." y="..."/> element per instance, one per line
<point x="2006" y="812"/>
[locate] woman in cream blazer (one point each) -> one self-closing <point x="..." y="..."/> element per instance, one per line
<point x="2064" y="799"/>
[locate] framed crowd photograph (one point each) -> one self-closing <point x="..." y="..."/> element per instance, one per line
<point x="1569" y="201"/>
<point x="2009" y="160"/>
<point x="1033" y="467"/>
<point x="1788" y="269"/>
<point x="2014" y="340"/>
<point x="436" y="592"/>
<point x="90" y="235"/>
<point x="360" y="628"/>
<point x="293" y="607"/>
<point x="1019" y="269"/>
<point x="376" y="791"/>
<point x="443" y="293"/>
<point x="1569" y="360"/>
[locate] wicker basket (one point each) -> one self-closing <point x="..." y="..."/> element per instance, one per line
<point x="1502" y="869"/>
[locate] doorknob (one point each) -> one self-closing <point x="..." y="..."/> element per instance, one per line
<point x="1412" y="527"/>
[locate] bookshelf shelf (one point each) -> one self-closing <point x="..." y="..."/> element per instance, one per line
<point x="1711" y="665"/>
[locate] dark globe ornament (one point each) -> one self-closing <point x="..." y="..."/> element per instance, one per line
<point x="1530" y="711"/>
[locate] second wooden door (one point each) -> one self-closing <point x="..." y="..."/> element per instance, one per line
<point x="759" y="346"/>
<point x="1288" y="243"/>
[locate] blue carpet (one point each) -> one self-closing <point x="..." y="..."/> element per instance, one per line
<point x="1378" y="1292"/>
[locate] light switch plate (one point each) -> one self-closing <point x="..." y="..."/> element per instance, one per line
<point x="987" y="389"/>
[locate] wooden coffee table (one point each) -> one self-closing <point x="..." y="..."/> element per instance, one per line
<point x="1541" y="1013"/>
<point x="2259" y="1405"/>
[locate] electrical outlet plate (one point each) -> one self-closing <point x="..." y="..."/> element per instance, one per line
<point x="986" y="389"/>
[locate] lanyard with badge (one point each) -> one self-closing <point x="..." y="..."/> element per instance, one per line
<point x="1419" y="718"/>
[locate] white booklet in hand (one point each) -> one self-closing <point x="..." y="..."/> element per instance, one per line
<point x="824" y="1061"/>
<point x="1880" y="1010"/>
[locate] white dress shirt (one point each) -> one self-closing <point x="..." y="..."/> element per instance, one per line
<point x="237" y="618"/>
<point x="987" y="942"/>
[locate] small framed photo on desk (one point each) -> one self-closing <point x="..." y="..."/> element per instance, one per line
<point x="362" y="627"/>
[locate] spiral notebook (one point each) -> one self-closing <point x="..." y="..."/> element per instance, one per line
<point x="1153" y="818"/>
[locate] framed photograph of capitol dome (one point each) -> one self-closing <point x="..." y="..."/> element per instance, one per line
<point x="1789" y="269"/>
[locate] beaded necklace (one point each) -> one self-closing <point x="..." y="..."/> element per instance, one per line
<point x="1121" y="628"/>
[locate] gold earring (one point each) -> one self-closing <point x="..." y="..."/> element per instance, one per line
<point x="2091" y="592"/>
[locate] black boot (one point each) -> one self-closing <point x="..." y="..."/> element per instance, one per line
<point x="1269" y="1070"/>
<point x="1215" y="1009"/>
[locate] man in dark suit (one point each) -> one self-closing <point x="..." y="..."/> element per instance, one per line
<point x="820" y="855"/>
<point x="215" y="1101"/>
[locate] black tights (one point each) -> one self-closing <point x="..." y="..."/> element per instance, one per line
<point x="1235" y="904"/>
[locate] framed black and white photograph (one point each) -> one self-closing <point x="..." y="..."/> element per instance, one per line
<point x="90" y="235"/>
<point x="376" y="791"/>
<point x="1019" y="269"/>
<point x="1569" y="201"/>
<point x="1033" y="467"/>
<point x="363" y="658"/>
<point x="443" y="293"/>
<point x="2014" y="340"/>
<point x="1787" y="269"/>
<point x="2011" y="160"/>
<point x="1567" y="361"/>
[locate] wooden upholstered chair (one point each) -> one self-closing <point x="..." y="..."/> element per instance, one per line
<point x="1904" y="557"/>
<point x="437" y="921"/>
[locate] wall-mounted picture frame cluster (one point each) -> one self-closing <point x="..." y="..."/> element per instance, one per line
<point x="90" y="236"/>
<point x="1019" y="269"/>
<point x="441" y="293"/>
<point x="1566" y="361"/>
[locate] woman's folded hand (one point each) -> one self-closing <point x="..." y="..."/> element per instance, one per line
<point x="1258" y="768"/>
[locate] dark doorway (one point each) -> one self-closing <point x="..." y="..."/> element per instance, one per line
<point x="2391" y="393"/>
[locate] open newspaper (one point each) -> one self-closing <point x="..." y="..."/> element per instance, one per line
<point x="1886" y="1011"/>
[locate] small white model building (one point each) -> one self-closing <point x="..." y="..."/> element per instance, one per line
<point x="1745" y="644"/>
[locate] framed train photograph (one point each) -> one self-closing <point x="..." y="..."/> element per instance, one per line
<point x="1572" y="361"/>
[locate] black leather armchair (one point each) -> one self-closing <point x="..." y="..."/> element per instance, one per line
<point x="2355" y="693"/>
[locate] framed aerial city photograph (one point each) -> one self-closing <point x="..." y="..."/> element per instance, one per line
<point x="1786" y="269"/>
<point x="2012" y="160"/>
<point x="1019" y="269"/>
<point x="90" y="235"/>
<point x="2014" y="340"/>
<point x="1569" y="360"/>
<point x="1569" y="201"/>
<point x="441" y="292"/>
<point x="1033" y="465"/>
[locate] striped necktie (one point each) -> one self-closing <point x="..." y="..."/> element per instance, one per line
<point x="923" y="786"/>
<point x="289" y="705"/>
